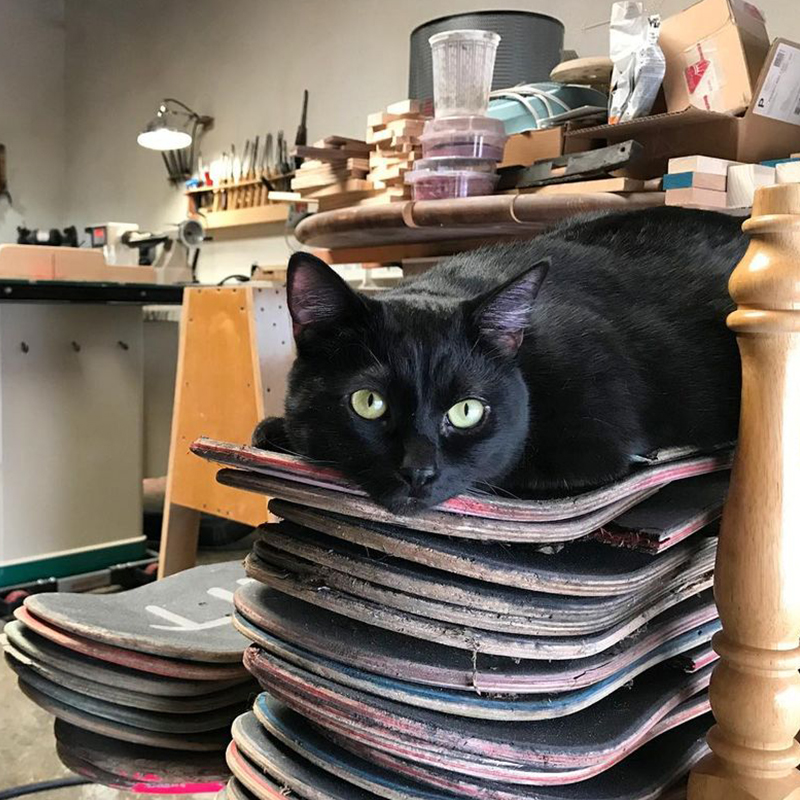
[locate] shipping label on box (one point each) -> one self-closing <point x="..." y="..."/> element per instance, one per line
<point x="779" y="97"/>
<point x="704" y="77"/>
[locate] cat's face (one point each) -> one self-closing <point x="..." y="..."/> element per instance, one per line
<point x="414" y="405"/>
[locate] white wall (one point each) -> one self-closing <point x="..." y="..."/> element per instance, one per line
<point x="246" y="62"/>
<point x="32" y="113"/>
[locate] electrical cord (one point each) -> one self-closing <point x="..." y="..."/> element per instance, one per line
<point x="43" y="786"/>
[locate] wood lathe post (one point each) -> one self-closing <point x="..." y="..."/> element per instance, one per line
<point x="755" y="689"/>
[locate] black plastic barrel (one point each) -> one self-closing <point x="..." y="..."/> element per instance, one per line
<point x="530" y="46"/>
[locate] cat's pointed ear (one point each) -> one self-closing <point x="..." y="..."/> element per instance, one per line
<point x="317" y="295"/>
<point x="501" y="316"/>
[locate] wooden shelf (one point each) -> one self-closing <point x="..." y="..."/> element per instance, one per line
<point x="224" y="187"/>
<point x="237" y="217"/>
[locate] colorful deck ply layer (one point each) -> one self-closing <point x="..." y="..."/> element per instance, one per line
<point x="493" y="648"/>
<point x="144" y="684"/>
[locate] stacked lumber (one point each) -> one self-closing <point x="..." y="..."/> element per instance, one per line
<point x="394" y="134"/>
<point x="334" y="172"/>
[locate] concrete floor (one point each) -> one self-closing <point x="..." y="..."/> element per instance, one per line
<point x="27" y="745"/>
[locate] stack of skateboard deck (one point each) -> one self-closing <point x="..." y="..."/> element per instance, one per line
<point x="143" y="684"/>
<point x="491" y="647"/>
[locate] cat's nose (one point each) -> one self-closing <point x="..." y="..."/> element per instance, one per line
<point x="417" y="477"/>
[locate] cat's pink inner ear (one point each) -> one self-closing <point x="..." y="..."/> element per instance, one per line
<point x="504" y="315"/>
<point x="316" y="294"/>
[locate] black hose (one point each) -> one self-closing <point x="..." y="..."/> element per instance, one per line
<point x="43" y="786"/>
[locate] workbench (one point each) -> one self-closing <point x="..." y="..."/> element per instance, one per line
<point x="71" y="425"/>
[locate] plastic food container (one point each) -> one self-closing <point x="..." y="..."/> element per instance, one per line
<point x="476" y="137"/>
<point x="448" y="177"/>
<point x="463" y="64"/>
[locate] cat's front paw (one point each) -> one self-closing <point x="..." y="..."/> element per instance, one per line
<point x="270" y="434"/>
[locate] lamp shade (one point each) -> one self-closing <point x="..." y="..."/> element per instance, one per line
<point x="160" y="136"/>
<point x="167" y="130"/>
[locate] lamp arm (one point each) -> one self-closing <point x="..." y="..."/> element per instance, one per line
<point x="192" y="113"/>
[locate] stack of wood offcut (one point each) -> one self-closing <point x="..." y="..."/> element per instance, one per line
<point x="394" y="134"/>
<point x="334" y="173"/>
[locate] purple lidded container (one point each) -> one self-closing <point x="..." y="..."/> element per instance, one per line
<point x="469" y="137"/>
<point x="452" y="176"/>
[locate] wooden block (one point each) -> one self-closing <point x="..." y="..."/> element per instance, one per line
<point x="391" y="160"/>
<point x="382" y="118"/>
<point x="329" y="154"/>
<point x="284" y="197"/>
<point x="708" y="198"/>
<point x="351" y="185"/>
<point x="317" y="180"/>
<point x="697" y="180"/>
<point x="713" y="166"/>
<point x="588" y="187"/>
<point x="402" y="139"/>
<point x="404" y="107"/>
<point x="390" y="150"/>
<point x="345" y="142"/>
<point x="388" y="173"/>
<point x="343" y="200"/>
<point x="406" y="127"/>
<point x="744" y="179"/>
<point x="373" y="137"/>
<point x="358" y="164"/>
<point x="788" y="172"/>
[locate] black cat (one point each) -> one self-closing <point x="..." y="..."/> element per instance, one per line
<point x="481" y="373"/>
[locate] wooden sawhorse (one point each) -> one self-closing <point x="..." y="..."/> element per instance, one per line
<point x="234" y="355"/>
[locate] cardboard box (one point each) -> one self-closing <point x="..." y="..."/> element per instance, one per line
<point x="714" y="51"/>
<point x="522" y="149"/>
<point x="770" y="128"/>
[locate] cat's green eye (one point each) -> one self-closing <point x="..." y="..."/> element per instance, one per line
<point x="368" y="404"/>
<point x="466" y="413"/>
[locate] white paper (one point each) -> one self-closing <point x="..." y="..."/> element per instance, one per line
<point x="779" y="97"/>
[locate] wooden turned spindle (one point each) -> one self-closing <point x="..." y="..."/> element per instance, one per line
<point x="755" y="689"/>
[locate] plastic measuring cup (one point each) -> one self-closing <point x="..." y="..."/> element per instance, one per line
<point x="463" y="64"/>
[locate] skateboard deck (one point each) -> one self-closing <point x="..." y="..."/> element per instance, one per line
<point x="505" y="707"/>
<point x="579" y="569"/>
<point x="185" y="616"/>
<point x="662" y="468"/>
<point x="268" y="564"/>
<point x="366" y="738"/>
<point x="234" y="790"/>
<point x="306" y="634"/>
<point x="641" y="776"/>
<point x="42" y="651"/>
<point x="438" y="522"/>
<point x="207" y="741"/>
<point x="143" y="769"/>
<point x="138" y="700"/>
<point x="441" y="595"/>
<point x="94" y="773"/>
<point x="304" y="781"/>
<point x="134" y="717"/>
<point x="696" y="658"/>
<point x="595" y="737"/>
<point x="670" y="516"/>
<point x="512" y="645"/>
<point x="156" y="665"/>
